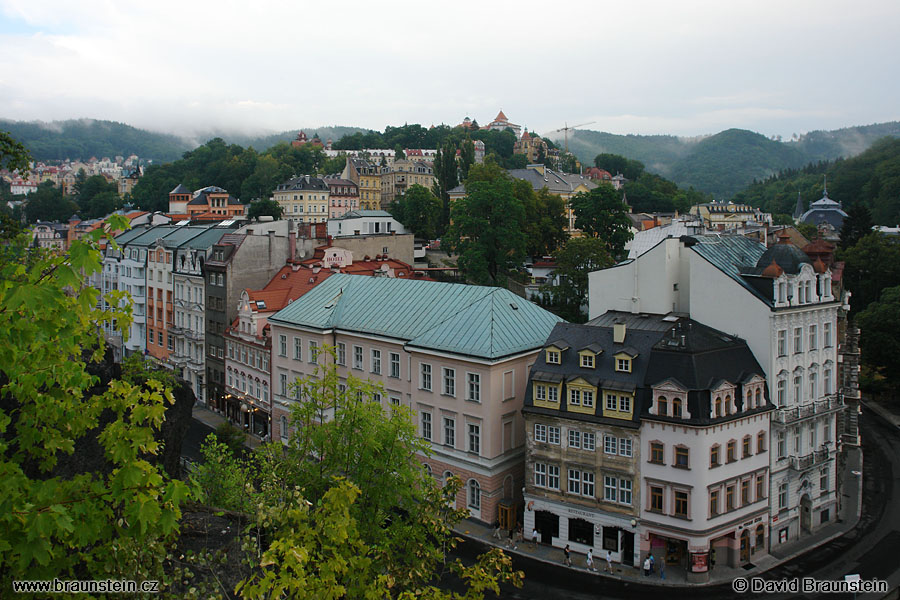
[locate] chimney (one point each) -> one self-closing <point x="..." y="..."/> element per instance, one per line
<point x="292" y="240"/>
<point x="619" y="332"/>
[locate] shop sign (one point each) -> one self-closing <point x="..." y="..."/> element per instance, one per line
<point x="699" y="562"/>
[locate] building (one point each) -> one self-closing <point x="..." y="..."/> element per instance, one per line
<point x="565" y="185"/>
<point x="727" y="216"/>
<point x="364" y="222"/>
<point x="343" y="196"/>
<point x="457" y="356"/>
<point x="129" y="179"/>
<point x="783" y="305"/>
<point x="400" y="176"/>
<point x="501" y="123"/>
<point x="303" y="199"/>
<point x="621" y="415"/>
<point x="533" y="147"/>
<point x="823" y="211"/>
<point x="209" y="203"/>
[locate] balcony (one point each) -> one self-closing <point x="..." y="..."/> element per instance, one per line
<point x="813" y="409"/>
<point x="813" y="459"/>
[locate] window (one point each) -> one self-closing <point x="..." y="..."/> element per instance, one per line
<point x="341" y="353"/>
<point x="574" y="482"/>
<point x="713" y="503"/>
<point x="610" y="402"/>
<point x="357" y="357"/>
<point x="540" y="475"/>
<point x="282" y="379"/>
<point x="474" y="387"/>
<point x="587" y="361"/>
<point x="587" y="484"/>
<point x="798" y="388"/>
<point x="760" y="487"/>
<point x="827" y="332"/>
<point x="676" y="407"/>
<point x="425" y="376"/>
<point x="745" y="492"/>
<point x="827" y="381"/>
<point x="610" y="489"/>
<point x="745" y="447"/>
<point x="625" y="447"/>
<point x="782" y="445"/>
<point x="588" y="441"/>
<point x="813" y="337"/>
<point x="587" y="398"/>
<point x="574" y="438"/>
<point x="376" y="362"/>
<point x="553" y="434"/>
<point x="474" y="438"/>
<point x="826" y="426"/>
<point x="426" y="425"/>
<point x="575" y="397"/>
<point x="474" y="495"/>
<point x="782" y="342"/>
<point x="760" y="442"/>
<point x="553" y="357"/>
<point x="540" y="432"/>
<point x="681" y="504"/>
<point x="540" y="392"/>
<point x="714" y="456"/>
<point x="729" y="498"/>
<point x="656" y="499"/>
<point x="798" y="340"/>
<point x="284" y="427"/>
<point x="553" y="477"/>
<point x="823" y="480"/>
<point x="731" y="451"/>
<point x="552" y="393"/>
<point x="395" y="365"/>
<point x="623" y="365"/>
<point x="657" y="453"/>
<point x="625" y="491"/>
<point x="625" y="403"/>
<point x="313" y="351"/>
<point x="781" y="392"/>
<point x="298" y="347"/>
<point x="662" y="406"/>
<point x="681" y="457"/>
<point x="717" y="407"/>
<point x="782" y="496"/>
<point x="449" y="382"/>
<point x="449" y="431"/>
<point x="610" y="444"/>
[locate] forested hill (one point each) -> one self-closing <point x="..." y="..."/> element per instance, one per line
<point x="84" y="138"/>
<point x="871" y="179"/>
<point x="725" y="163"/>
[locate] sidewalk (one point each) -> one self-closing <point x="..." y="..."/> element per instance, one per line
<point x="848" y="516"/>
<point x="213" y="419"/>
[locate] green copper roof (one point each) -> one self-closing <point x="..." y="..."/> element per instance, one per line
<point x="484" y="322"/>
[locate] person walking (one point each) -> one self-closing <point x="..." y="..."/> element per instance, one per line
<point x="568" y="558"/>
<point x="497" y="530"/>
<point x="662" y="569"/>
<point x="609" y="561"/>
<point x="590" y="560"/>
<point x="511" y="540"/>
<point x="652" y="562"/>
<point x="534" y="536"/>
<point x="647" y="567"/>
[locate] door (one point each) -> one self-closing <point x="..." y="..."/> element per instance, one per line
<point x="745" y="547"/>
<point x="806" y="513"/>
<point x="628" y="548"/>
<point x="547" y="525"/>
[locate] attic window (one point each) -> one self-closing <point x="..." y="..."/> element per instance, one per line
<point x="513" y="306"/>
<point x="261" y="304"/>
<point x="553" y="357"/>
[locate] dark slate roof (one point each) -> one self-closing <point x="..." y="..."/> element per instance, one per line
<point x="554" y="181"/>
<point x="304" y="183"/>
<point x="731" y="254"/>
<point x="669" y="348"/>
<point x="181" y="189"/>
<point x="786" y="256"/>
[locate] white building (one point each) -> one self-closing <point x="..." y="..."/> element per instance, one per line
<point x="364" y="222"/>
<point x="784" y="307"/>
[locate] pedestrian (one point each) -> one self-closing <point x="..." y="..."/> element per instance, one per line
<point x="712" y="558"/>
<point x="647" y="567"/>
<point x="520" y="534"/>
<point x="652" y="562"/>
<point x="568" y="559"/>
<point x="590" y="560"/>
<point x="609" y="561"/>
<point x="496" y="533"/>
<point x="534" y="535"/>
<point x="662" y="569"/>
<point x="511" y="541"/>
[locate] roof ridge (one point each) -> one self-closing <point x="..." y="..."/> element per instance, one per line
<point x="456" y="313"/>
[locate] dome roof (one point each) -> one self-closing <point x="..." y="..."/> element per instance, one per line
<point x="785" y="255"/>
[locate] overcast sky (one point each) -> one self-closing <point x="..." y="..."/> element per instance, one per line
<point x="684" y="68"/>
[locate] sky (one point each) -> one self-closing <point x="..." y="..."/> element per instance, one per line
<point x="683" y="68"/>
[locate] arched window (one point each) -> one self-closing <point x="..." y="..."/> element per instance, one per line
<point x="798" y="387"/>
<point x="827" y="380"/>
<point x="717" y="409"/>
<point x="748" y="404"/>
<point x="760" y="537"/>
<point x="758" y="398"/>
<point x="427" y="468"/>
<point x="284" y="427"/>
<point x="676" y="407"/>
<point x="727" y="405"/>
<point x="447" y="476"/>
<point x="474" y="495"/>
<point x="781" y="393"/>
<point x="662" y="406"/>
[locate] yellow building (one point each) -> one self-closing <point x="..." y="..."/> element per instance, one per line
<point x="398" y="178"/>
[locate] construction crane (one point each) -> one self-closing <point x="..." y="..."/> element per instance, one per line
<point x="567" y="128"/>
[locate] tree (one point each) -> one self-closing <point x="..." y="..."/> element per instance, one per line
<point x="488" y="230"/>
<point x="601" y="213"/>
<point x="466" y="158"/>
<point x="419" y="210"/>
<point x="13" y="155"/>
<point x="261" y="208"/>
<point x="574" y="262"/>
<point x="614" y="163"/>
<point x="398" y="152"/>
<point x="880" y="335"/>
<point x="872" y="265"/>
<point x="545" y="221"/>
<point x="48" y="204"/>
<point x="445" y="177"/>
<point x="857" y="224"/>
<point x="60" y="521"/>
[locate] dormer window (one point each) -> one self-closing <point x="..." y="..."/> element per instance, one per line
<point x="623" y="365"/>
<point x="587" y="361"/>
<point x="553" y="357"/>
<point x="676" y="408"/>
<point x="662" y="406"/>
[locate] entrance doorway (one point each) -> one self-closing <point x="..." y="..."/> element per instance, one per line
<point x="628" y="548"/>
<point x="806" y="513"/>
<point x="745" y="546"/>
<point x="547" y="525"/>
